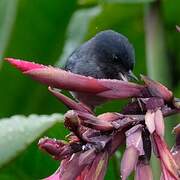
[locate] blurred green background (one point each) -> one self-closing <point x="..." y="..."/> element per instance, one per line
<point x="48" y="31"/>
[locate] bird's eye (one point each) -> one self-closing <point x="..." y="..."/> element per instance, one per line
<point x="115" y="57"/>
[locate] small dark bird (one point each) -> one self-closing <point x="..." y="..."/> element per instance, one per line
<point x="108" y="55"/>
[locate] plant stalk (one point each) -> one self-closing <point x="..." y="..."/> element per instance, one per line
<point x="157" y="64"/>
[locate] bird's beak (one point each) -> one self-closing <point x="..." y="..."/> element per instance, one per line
<point x="130" y="75"/>
<point x="123" y="77"/>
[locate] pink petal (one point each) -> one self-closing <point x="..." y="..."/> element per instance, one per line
<point x="134" y="138"/>
<point x="129" y="161"/>
<point x="143" y="172"/>
<point x="159" y="123"/>
<point x="149" y="121"/>
<point x="165" y="175"/>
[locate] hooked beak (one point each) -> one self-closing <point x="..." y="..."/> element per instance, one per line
<point x="130" y="75"/>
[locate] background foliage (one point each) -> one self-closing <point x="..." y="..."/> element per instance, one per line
<point x="47" y="32"/>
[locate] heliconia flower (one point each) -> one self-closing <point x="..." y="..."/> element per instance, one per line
<point x="88" y="139"/>
<point x="94" y="139"/>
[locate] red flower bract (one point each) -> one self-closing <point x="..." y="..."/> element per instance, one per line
<point x="58" y="78"/>
<point x="94" y="139"/>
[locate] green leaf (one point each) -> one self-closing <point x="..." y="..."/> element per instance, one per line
<point x="7" y="17"/>
<point x="77" y="30"/>
<point x="37" y="35"/>
<point x="17" y="132"/>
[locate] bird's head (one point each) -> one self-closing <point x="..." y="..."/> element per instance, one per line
<point x="115" y="49"/>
